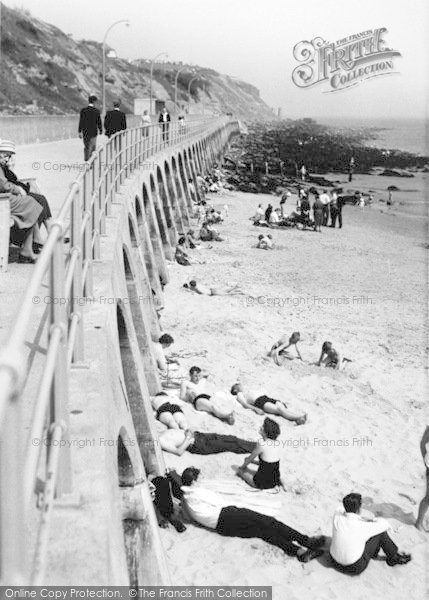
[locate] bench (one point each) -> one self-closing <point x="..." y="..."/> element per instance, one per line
<point x="7" y="221"/>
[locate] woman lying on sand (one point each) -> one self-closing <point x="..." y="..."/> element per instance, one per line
<point x="331" y="357"/>
<point x="268" y="474"/>
<point x="194" y="391"/>
<point x="279" y="349"/>
<point x="168" y="413"/>
<point x="198" y="288"/>
<point x="261" y="404"/>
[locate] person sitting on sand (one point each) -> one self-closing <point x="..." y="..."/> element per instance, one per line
<point x="208" y="234"/>
<point x="182" y="257"/>
<point x="168" y="413"/>
<point x="268" y="474"/>
<point x="265" y="242"/>
<point x="198" y="288"/>
<point x="163" y="489"/>
<point x="356" y="540"/>
<point x="177" y="441"/>
<point x="279" y="349"/>
<point x="275" y="217"/>
<point x="261" y="404"/>
<point x="331" y="357"/>
<point x="164" y="342"/>
<point x="259" y="214"/>
<point x="194" y="391"/>
<point x="210" y="511"/>
<point x="424" y="504"/>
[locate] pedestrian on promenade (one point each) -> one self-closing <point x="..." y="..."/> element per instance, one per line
<point x="325" y="201"/>
<point x="164" y="122"/>
<point x="115" y="120"/>
<point x="146" y="122"/>
<point x="89" y="126"/>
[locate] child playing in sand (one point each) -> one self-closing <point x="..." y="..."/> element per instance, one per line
<point x="194" y="391"/>
<point x="279" y="349"/>
<point x="265" y="242"/>
<point x="268" y="474"/>
<point x="260" y="404"/>
<point x="331" y="357"/>
<point x="198" y="288"/>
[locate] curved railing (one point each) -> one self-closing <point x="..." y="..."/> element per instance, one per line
<point x="82" y="217"/>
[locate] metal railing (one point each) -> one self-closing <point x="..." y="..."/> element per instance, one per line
<point x="68" y="275"/>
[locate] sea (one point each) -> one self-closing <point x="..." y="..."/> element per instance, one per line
<point x="411" y="135"/>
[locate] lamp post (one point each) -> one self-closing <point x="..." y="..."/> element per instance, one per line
<point x="175" y="82"/>
<point x="103" y="81"/>
<point x="151" y="75"/>
<point x="189" y="90"/>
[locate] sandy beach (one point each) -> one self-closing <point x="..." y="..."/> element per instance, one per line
<point x="363" y="288"/>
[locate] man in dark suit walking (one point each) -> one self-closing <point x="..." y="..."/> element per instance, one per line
<point x="115" y="120"/>
<point x="164" y="123"/>
<point x="89" y="126"/>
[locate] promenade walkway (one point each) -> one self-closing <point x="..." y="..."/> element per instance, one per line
<point x="54" y="165"/>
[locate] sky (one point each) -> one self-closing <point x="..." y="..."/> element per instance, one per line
<point x="254" y="41"/>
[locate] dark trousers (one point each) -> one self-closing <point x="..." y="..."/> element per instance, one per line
<point x="245" y="523"/>
<point x="325" y="214"/>
<point x="382" y="541"/>
<point x="165" y="129"/>
<point x="214" y="443"/>
<point x="336" y="214"/>
<point x="89" y="146"/>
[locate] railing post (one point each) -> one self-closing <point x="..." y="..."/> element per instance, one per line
<point x="102" y="193"/>
<point x="13" y="545"/>
<point x="87" y="235"/>
<point x="59" y="412"/>
<point x="96" y="206"/>
<point x="76" y="289"/>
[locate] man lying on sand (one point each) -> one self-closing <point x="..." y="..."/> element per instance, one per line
<point x="177" y="441"/>
<point x="424" y="504"/>
<point x="330" y="357"/>
<point x="195" y="392"/>
<point x="267" y="476"/>
<point x="279" y="349"/>
<point x="204" y="290"/>
<point x="168" y="413"/>
<point x="356" y="540"/>
<point x="261" y="404"/>
<point x="232" y="521"/>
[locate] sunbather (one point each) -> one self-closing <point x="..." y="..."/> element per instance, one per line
<point x="204" y="290"/>
<point x="168" y="413"/>
<point x="195" y="391"/>
<point x="261" y="404"/>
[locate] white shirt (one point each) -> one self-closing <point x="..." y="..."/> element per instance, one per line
<point x="350" y="532"/>
<point x="146" y="121"/>
<point x="324" y="198"/>
<point x="274" y="217"/>
<point x="203" y="505"/>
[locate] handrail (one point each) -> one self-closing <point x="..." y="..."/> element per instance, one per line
<point x="83" y="213"/>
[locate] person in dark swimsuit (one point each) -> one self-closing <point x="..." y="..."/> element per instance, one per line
<point x="268" y="474"/>
<point x="168" y="413"/>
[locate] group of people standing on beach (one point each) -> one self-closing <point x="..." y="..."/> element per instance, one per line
<point x="230" y="510"/>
